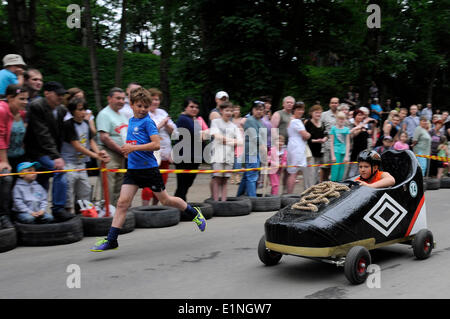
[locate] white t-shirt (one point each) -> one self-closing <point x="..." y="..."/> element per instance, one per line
<point x="126" y="110"/>
<point x="113" y="123"/>
<point x="223" y="153"/>
<point x="165" y="143"/>
<point x="297" y="145"/>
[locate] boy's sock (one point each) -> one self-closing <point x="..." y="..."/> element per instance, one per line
<point x="113" y="234"/>
<point x="190" y="212"/>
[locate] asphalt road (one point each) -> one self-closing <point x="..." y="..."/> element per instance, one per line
<point x="181" y="262"/>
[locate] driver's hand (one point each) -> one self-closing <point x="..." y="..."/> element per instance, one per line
<point x="362" y="183"/>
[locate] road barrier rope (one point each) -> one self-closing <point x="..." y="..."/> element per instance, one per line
<point x="207" y="171"/>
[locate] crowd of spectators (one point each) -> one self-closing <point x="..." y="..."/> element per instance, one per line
<point x="44" y="127"/>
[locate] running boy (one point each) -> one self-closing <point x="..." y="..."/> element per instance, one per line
<point x="143" y="171"/>
<point x="370" y="175"/>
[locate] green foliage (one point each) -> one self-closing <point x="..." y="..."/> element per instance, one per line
<point x="70" y="66"/>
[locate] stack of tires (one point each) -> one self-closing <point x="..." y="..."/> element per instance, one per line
<point x="233" y="206"/>
<point x="266" y="203"/>
<point x="432" y="183"/>
<point x="61" y="233"/>
<point x="99" y="226"/>
<point x="8" y="239"/>
<point x="445" y="182"/>
<point x="155" y="216"/>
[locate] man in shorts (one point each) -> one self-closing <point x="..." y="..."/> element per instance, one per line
<point x="143" y="171"/>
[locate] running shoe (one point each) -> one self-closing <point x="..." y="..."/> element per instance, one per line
<point x="199" y="219"/>
<point x="103" y="244"/>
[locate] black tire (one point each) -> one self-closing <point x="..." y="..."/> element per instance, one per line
<point x="267" y="203"/>
<point x="8" y="239"/>
<point x="289" y="199"/>
<point x="233" y="206"/>
<point x="433" y="183"/>
<point x="445" y="182"/>
<point x="207" y="211"/>
<point x="268" y="257"/>
<point x="66" y="232"/>
<point x="422" y="244"/>
<point x="99" y="226"/>
<point x="156" y="216"/>
<point x="356" y="263"/>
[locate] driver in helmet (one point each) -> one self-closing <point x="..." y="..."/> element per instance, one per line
<point x="369" y="170"/>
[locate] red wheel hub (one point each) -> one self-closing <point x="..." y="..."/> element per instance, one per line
<point x="362" y="265"/>
<point x="426" y="245"/>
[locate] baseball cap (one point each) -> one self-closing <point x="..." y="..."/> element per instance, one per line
<point x="25" y="165"/>
<point x="387" y="137"/>
<point x="221" y="94"/>
<point x="13" y="59"/>
<point x="56" y="87"/>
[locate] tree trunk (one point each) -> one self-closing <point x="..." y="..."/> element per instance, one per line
<point x="431" y="83"/>
<point x="123" y="33"/>
<point x="166" y="52"/>
<point x="22" y="19"/>
<point x="92" y="54"/>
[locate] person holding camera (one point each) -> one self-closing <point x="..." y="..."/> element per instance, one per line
<point x="359" y="132"/>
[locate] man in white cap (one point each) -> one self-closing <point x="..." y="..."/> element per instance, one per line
<point x="221" y="97"/>
<point x="13" y="71"/>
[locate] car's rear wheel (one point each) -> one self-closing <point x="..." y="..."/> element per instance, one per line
<point x="422" y="244"/>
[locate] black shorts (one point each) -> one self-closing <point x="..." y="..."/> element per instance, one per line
<point x="147" y="177"/>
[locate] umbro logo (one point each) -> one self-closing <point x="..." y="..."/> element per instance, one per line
<point x="385" y="215"/>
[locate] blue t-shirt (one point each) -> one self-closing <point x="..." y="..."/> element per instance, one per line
<point x="7" y="78"/>
<point x="139" y="132"/>
<point x="375" y="107"/>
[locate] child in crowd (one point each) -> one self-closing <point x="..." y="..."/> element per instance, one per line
<point x="277" y="157"/>
<point x="442" y="152"/>
<point x="238" y="120"/>
<point x="30" y="198"/>
<point x="226" y="136"/>
<point x="142" y="140"/>
<point x="402" y="143"/>
<point x="340" y="146"/>
<point x="388" y="142"/>
<point x="77" y="149"/>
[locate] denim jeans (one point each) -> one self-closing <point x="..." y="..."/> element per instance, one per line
<point x="26" y="218"/>
<point x="59" y="188"/>
<point x="6" y="183"/>
<point x="250" y="178"/>
<point x="423" y="163"/>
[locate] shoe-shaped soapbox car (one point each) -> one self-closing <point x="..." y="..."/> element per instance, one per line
<point x="340" y="222"/>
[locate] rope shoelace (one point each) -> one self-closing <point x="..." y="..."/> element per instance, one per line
<point x="319" y="194"/>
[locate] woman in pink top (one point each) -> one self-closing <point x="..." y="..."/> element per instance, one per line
<point x="402" y="143"/>
<point x="10" y="110"/>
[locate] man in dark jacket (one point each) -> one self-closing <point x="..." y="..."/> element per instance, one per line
<point x="43" y="141"/>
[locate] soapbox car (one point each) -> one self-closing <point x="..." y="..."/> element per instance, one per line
<point x="341" y="229"/>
